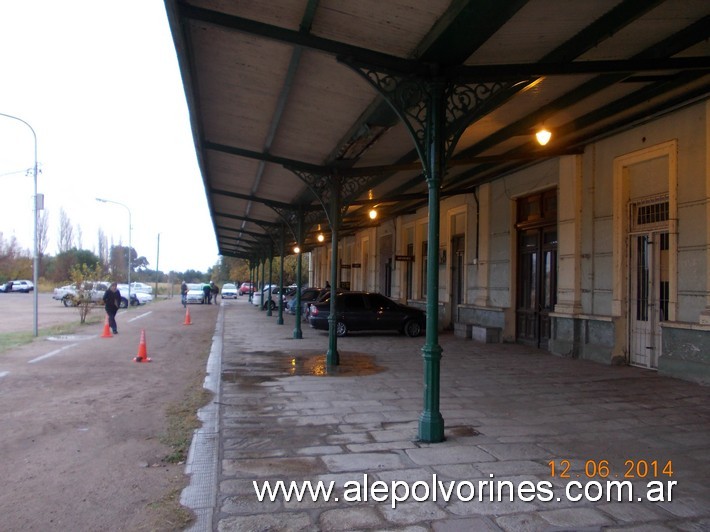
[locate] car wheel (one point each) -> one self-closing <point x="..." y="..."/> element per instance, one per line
<point x="341" y="329"/>
<point x="412" y="329"/>
<point x="123" y="303"/>
<point x="69" y="302"/>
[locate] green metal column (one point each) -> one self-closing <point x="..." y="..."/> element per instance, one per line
<point x="263" y="282"/>
<point x="431" y="422"/>
<point x="297" y="332"/>
<point x="251" y="278"/>
<point x="256" y="279"/>
<point x="280" y="319"/>
<point x="271" y="281"/>
<point x="332" y="357"/>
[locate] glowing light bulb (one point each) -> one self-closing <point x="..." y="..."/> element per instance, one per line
<point x="543" y="136"/>
<point x="373" y="214"/>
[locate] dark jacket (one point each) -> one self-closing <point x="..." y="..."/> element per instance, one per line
<point x="112" y="300"/>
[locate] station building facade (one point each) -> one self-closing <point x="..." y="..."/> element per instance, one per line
<point x="602" y="256"/>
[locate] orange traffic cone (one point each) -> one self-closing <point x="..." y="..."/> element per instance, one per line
<point x="142" y="355"/>
<point x="188" y="321"/>
<point x="107" y="330"/>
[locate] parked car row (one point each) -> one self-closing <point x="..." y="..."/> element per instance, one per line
<point x="366" y="311"/>
<point x="19" y="285"/>
<point x="69" y="295"/>
<point x="355" y="311"/>
<point x="308" y="296"/>
<point x="195" y="294"/>
<point x="273" y="302"/>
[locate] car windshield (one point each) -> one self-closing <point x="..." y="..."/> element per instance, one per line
<point x="229" y="287"/>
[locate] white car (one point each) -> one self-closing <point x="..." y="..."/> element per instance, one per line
<point x="137" y="298"/>
<point x="195" y="293"/>
<point x="141" y="287"/>
<point x="20" y="285"/>
<point x="229" y="291"/>
<point x="140" y="298"/>
<point x="63" y="291"/>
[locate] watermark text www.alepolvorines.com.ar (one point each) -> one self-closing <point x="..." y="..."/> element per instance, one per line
<point x="397" y="491"/>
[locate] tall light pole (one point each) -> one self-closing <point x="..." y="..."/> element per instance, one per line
<point x="35" y="252"/>
<point x="157" y="274"/>
<point x="129" y="241"/>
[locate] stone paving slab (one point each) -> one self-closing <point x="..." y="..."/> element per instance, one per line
<point x="509" y="411"/>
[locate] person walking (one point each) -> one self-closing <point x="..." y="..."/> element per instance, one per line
<point x="112" y="302"/>
<point x="214" y="290"/>
<point x="183" y="293"/>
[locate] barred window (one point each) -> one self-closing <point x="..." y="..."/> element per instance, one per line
<point x="650" y="213"/>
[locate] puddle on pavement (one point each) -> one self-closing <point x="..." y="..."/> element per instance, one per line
<point x="462" y="431"/>
<point x="262" y="367"/>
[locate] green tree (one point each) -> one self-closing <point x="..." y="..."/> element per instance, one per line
<point x="60" y="267"/>
<point x="194" y="276"/>
<point x="118" y="261"/>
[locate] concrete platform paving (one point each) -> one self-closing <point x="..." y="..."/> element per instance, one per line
<point x="509" y="412"/>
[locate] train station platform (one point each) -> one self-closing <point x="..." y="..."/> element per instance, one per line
<point x="533" y="441"/>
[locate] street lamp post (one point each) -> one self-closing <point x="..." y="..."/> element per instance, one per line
<point x="35" y="252"/>
<point x="129" y="241"/>
<point x="157" y="275"/>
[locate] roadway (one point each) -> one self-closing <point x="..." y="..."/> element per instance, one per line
<point x="81" y="421"/>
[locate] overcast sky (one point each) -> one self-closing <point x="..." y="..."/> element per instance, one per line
<point x="98" y="81"/>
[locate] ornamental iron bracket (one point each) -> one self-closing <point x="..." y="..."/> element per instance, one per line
<point x="414" y="99"/>
<point x="291" y="219"/>
<point x="341" y="185"/>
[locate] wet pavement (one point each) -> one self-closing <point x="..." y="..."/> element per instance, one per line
<point x="559" y="433"/>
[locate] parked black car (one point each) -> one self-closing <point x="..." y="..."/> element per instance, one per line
<point x="367" y="311"/>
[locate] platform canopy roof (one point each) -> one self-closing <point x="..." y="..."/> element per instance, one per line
<point x="285" y="93"/>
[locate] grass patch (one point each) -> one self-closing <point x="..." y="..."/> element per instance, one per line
<point x="182" y="421"/>
<point x="167" y="513"/>
<point x="16" y="339"/>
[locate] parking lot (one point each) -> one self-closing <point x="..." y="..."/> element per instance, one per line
<point x="16" y="312"/>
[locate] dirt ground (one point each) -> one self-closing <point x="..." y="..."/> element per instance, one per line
<point x="81" y="422"/>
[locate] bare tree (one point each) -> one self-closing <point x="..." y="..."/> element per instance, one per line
<point x="15" y="262"/>
<point x="43" y="233"/>
<point x="66" y="232"/>
<point x="79" y="237"/>
<point x="103" y="247"/>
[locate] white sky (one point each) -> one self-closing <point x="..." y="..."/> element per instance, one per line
<point x="98" y="81"/>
